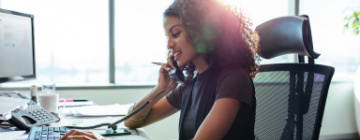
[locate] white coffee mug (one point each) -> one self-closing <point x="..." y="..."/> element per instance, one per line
<point x="49" y="101"/>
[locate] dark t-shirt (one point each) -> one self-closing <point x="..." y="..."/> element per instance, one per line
<point x="196" y="99"/>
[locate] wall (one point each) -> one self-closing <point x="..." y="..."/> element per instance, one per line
<point x="338" y="117"/>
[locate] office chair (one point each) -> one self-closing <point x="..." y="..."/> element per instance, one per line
<point x="290" y="96"/>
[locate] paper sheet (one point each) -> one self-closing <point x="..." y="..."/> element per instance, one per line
<point x="11" y="135"/>
<point x="75" y="104"/>
<point x="8" y="104"/>
<point x="93" y="121"/>
<point x="101" y="110"/>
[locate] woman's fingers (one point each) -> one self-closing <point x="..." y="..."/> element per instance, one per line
<point x="68" y="134"/>
<point x="81" y="135"/>
<point x="166" y="67"/>
<point x="170" y="63"/>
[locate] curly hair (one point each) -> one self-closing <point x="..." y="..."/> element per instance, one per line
<point x="220" y="32"/>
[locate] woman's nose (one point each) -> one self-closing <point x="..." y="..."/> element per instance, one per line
<point x="170" y="44"/>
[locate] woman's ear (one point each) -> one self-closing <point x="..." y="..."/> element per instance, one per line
<point x="200" y="47"/>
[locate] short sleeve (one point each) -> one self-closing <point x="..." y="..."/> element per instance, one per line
<point x="175" y="97"/>
<point x="235" y="83"/>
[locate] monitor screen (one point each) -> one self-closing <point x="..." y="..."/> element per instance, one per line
<point x="17" y="51"/>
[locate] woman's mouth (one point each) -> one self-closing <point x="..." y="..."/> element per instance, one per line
<point x="176" y="55"/>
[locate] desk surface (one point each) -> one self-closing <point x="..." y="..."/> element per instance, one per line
<point x="136" y="134"/>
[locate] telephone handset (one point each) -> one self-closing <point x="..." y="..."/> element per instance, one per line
<point x="176" y="74"/>
<point x="32" y="115"/>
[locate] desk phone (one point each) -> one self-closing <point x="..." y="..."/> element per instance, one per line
<point x="32" y="115"/>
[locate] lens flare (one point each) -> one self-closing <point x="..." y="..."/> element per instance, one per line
<point x="231" y="3"/>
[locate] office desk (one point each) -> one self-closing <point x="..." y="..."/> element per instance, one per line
<point x="136" y="134"/>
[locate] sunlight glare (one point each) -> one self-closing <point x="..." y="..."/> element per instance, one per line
<point x="231" y="3"/>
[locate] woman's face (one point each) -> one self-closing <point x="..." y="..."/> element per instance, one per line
<point x="179" y="45"/>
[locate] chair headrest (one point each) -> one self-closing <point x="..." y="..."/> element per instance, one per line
<point x="285" y="35"/>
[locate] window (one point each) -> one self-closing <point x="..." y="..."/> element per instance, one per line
<point x="338" y="47"/>
<point x="71" y="39"/>
<point x="260" y="11"/>
<point x="140" y="39"/>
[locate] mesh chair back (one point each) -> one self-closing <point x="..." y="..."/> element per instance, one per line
<point x="290" y="100"/>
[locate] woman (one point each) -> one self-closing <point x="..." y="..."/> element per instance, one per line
<point x="215" y="46"/>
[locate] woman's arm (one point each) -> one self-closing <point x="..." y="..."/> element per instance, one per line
<point x="219" y="120"/>
<point x="158" y="109"/>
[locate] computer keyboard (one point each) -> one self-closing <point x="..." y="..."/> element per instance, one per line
<point x="55" y="133"/>
<point x="47" y="132"/>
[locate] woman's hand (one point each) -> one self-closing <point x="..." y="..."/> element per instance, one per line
<point x="82" y="135"/>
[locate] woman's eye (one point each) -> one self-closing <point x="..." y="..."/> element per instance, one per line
<point x="176" y="34"/>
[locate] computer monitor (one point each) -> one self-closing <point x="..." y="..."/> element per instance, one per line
<point x="17" y="49"/>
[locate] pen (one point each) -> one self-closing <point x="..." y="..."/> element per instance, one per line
<point x="80" y="100"/>
<point x="157" y="63"/>
<point x="74" y="100"/>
